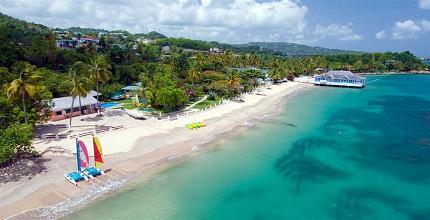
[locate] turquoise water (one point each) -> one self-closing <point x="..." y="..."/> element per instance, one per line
<point x="332" y="154"/>
<point x="106" y="105"/>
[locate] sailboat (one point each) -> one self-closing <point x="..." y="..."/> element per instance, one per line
<point x="95" y="170"/>
<point x="82" y="161"/>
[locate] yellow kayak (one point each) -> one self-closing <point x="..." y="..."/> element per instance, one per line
<point x="195" y="125"/>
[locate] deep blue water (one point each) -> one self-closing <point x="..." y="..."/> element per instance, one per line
<point x="333" y="153"/>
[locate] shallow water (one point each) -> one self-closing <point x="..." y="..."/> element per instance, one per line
<point x="332" y="154"/>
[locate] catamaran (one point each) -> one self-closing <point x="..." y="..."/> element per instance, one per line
<point x="82" y="160"/>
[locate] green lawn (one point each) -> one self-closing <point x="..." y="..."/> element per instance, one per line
<point x="206" y="103"/>
<point x="127" y="104"/>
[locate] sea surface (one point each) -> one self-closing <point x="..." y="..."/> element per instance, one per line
<point x="333" y="153"/>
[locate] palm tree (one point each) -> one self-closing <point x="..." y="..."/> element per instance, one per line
<point x="99" y="73"/>
<point x="194" y="75"/>
<point x="228" y="58"/>
<point x="233" y="82"/>
<point x="200" y="60"/>
<point x="275" y="74"/>
<point x="23" y="87"/>
<point x="254" y="60"/>
<point x="79" y="88"/>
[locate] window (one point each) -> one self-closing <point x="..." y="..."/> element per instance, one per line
<point x="84" y="108"/>
<point x="68" y="110"/>
<point x="76" y="109"/>
<point x="59" y="113"/>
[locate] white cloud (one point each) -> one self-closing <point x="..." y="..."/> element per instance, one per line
<point x="222" y="20"/>
<point x="424" y="4"/>
<point x="381" y="35"/>
<point x="410" y="29"/>
<point x="426" y="25"/>
<point x="340" y="32"/>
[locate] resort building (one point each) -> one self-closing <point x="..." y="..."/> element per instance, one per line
<point x="131" y="90"/>
<point x="61" y="107"/>
<point x="94" y="94"/>
<point x="339" y="78"/>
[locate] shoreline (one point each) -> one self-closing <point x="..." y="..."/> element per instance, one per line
<point x="146" y="154"/>
<point x="415" y="72"/>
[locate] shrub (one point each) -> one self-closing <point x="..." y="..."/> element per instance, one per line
<point x="15" y="141"/>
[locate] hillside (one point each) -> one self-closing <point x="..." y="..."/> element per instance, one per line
<point x="273" y="48"/>
<point x="291" y="49"/>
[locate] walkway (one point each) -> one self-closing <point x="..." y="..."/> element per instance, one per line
<point x="194" y="104"/>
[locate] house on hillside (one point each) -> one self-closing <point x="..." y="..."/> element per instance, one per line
<point x="215" y="50"/>
<point x="66" y="43"/>
<point x="144" y="40"/>
<point x="61" y="108"/>
<point x="340" y="79"/>
<point x="89" y="40"/>
<point x="166" y="49"/>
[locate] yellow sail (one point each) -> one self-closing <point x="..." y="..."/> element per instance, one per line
<point x="98" y="152"/>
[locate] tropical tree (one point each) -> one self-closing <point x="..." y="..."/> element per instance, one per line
<point x="275" y="74"/>
<point x="79" y="86"/>
<point x="99" y="73"/>
<point x="228" y="58"/>
<point x="254" y="60"/>
<point x="195" y="75"/>
<point x="233" y="82"/>
<point x="25" y="86"/>
<point x="200" y="60"/>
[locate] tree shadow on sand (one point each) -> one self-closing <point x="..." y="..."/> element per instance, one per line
<point x="22" y="168"/>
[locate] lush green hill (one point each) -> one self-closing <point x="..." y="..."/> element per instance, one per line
<point x="291" y="49"/>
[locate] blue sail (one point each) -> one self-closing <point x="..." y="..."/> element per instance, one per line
<point x="78" y="155"/>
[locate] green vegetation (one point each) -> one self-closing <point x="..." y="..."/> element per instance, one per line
<point x="208" y="103"/>
<point x="127" y="104"/>
<point x="33" y="71"/>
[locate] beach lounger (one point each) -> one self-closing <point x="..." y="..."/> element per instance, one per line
<point x="92" y="172"/>
<point x="75" y="177"/>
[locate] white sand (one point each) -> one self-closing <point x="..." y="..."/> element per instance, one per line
<point x="123" y="140"/>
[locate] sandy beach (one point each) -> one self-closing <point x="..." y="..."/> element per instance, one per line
<point x="131" y="152"/>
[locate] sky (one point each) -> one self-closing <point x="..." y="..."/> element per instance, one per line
<point x="362" y="25"/>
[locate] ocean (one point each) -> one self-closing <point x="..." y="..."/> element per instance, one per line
<point x="333" y="153"/>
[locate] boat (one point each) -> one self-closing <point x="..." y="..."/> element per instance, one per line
<point x="82" y="161"/>
<point x="93" y="171"/>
